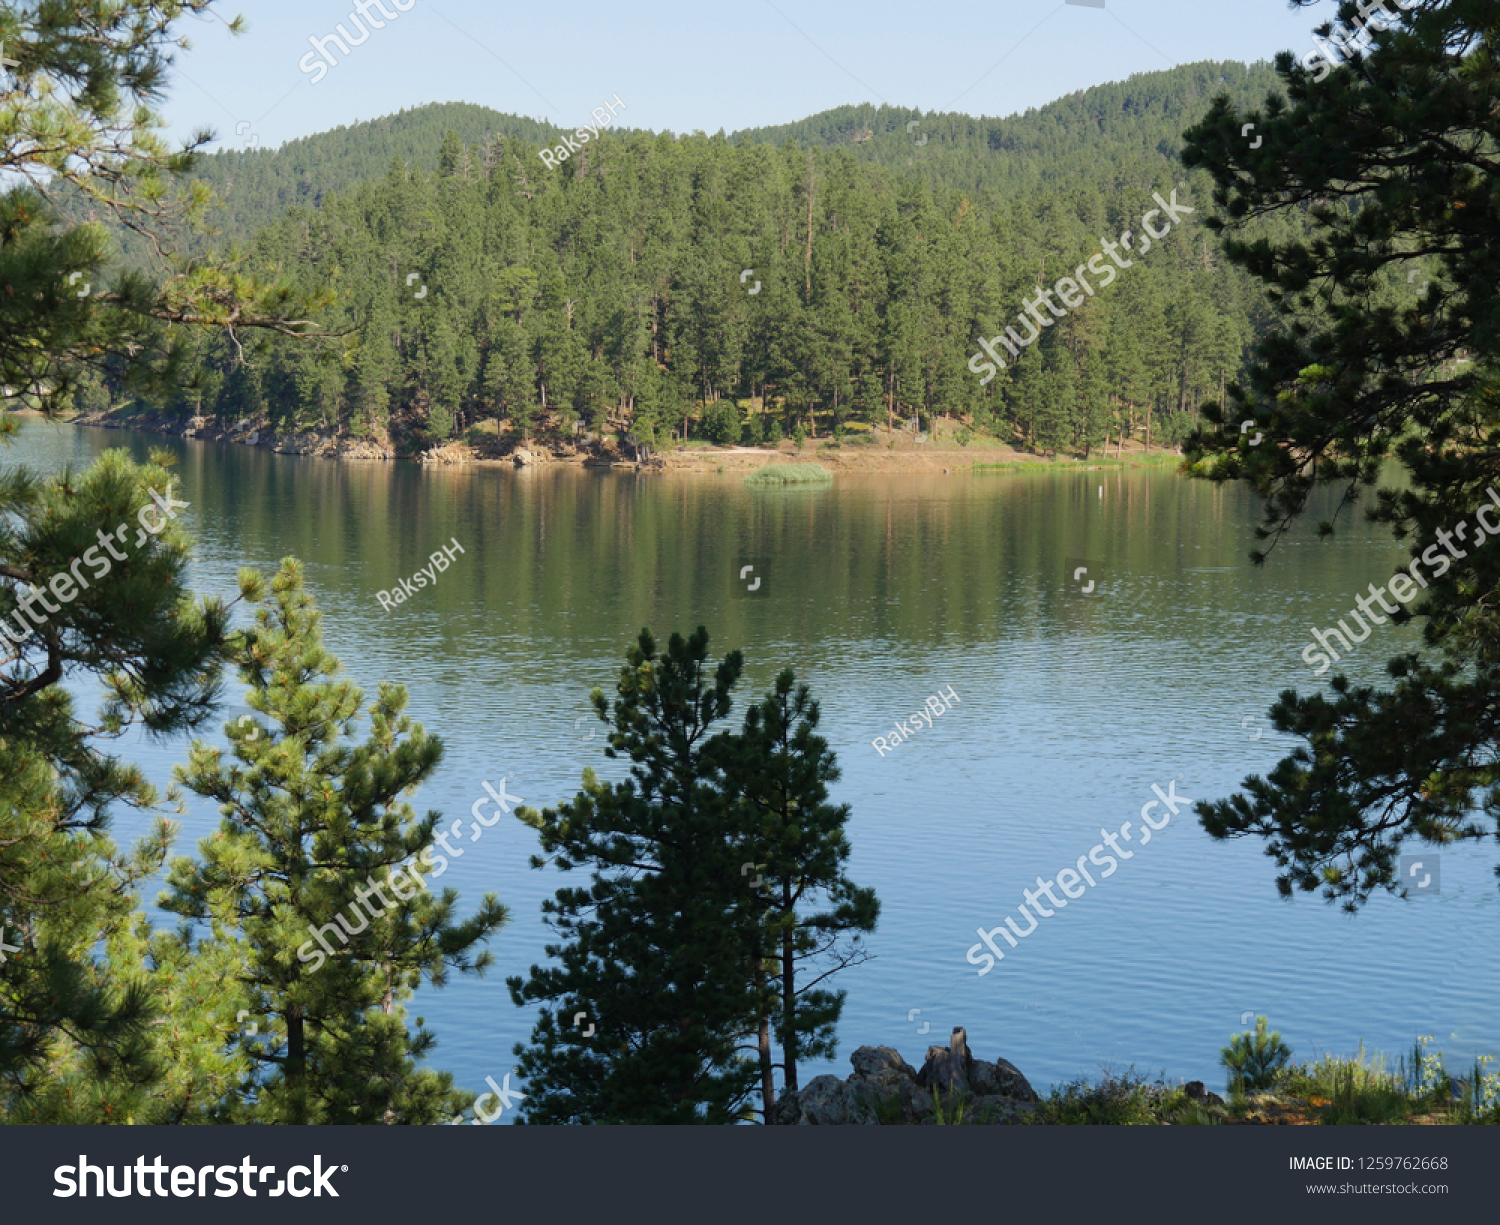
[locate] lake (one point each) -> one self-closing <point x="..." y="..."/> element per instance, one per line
<point x="881" y="592"/>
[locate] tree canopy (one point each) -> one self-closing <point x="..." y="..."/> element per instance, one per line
<point x="1387" y="355"/>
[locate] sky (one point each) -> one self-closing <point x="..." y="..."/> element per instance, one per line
<point x="686" y="65"/>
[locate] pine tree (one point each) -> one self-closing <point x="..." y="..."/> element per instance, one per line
<point x="312" y="829"/>
<point x="1372" y="367"/>
<point x="74" y="1041"/>
<point x="777" y="771"/>
<point x="643" y="1017"/>
<point x="67" y="304"/>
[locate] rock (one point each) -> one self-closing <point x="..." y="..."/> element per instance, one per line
<point x="823" y="1100"/>
<point x="997" y="1108"/>
<point x="885" y="1089"/>
<point x="947" y="1068"/>
<point x="873" y="1060"/>
<point x="524" y="457"/>
<point x="891" y="1097"/>
<point x="1196" y="1092"/>
<point x="1000" y="1078"/>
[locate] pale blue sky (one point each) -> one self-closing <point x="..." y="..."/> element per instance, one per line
<point x="683" y="66"/>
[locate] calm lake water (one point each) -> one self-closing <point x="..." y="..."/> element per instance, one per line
<point x="881" y="592"/>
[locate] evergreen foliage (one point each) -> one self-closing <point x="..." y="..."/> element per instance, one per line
<point x="1255" y="1060"/>
<point x="1392" y="157"/>
<point x="695" y="938"/>
<point x="609" y="291"/>
<point x="309" y="823"/>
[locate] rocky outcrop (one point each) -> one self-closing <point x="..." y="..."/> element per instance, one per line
<point x="323" y="446"/>
<point x="452" y="453"/>
<point x="884" y="1088"/>
<point x="244" y="432"/>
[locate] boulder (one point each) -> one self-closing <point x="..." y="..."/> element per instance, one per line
<point x="891" y="1097"/>
<point x="1001" y="1078"/>
<point x="1196" y="1092"/>
<point x="823" y="1100"/>
<point x="524" y="457"/>
<point x="873" y="1060"/>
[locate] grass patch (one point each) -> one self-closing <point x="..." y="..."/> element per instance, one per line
<point x="1364" y="1089"/>
<point x="1072" y="463"/>
<point x="789" y="474"/>
<point x="1020" y="465"/>
<point x="1355" y="1090"/>
<point x="1118" y="1100"/>
<point x="482" y="431"/>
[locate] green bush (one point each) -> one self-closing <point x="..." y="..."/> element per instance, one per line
<point x="721" y="422"/>
<point x="799" y="435"/>
<point x="1357" y="1090"/>
<point x="1255" y="1060"/>
<point x="753" y="435"/>
<point x="1365" y="1095"/>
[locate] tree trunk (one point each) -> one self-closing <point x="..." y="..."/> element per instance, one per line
<point x="767" y="1080"/>
<point x="788" y="999"/>
<point x="295" y="1067"/>
<point x="808" y="260"/>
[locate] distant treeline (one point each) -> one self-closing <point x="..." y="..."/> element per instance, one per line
<point x="619" y="290"/>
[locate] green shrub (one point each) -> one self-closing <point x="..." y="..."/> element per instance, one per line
<point x="799" y="435"/>
<point x="1255" y="1061"/>
<point x="753" y="435"/>
<point x="1125" y="1100"/>
<point x="1364" y="1093"/>
<point x="964" y="436"/>
<point x="1357" y="1090"/>
<point x="721" y="422"/>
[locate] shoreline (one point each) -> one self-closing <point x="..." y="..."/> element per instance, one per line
<point x="871" y="451"/>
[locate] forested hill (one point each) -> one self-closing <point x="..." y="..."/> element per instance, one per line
<point x="258" y="185"/>
<point x="1105" y="133"/>
<point x="1109" y="134"/>
<point x="613" y="291"/>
